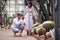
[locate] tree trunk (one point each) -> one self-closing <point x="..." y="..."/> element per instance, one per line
<point x="42" y="7"/>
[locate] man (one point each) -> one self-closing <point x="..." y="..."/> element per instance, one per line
<point x="17" y="27"/>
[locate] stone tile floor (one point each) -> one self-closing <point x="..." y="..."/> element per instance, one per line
<point x="8" y="35"/>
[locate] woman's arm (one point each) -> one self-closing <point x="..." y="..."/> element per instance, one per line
<point x="35" y="14"/>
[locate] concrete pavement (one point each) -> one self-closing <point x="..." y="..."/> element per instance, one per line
<point x="8" y="35"/>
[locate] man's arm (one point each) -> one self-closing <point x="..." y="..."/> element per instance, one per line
<point x="17" y="22"/>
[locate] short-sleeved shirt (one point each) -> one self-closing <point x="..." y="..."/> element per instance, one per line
<point x="16" y="22"/>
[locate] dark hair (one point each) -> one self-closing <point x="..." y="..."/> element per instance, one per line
<point x="19" y="14"/>
<point x="30" y="3"/>
<point x="22" y="16"/>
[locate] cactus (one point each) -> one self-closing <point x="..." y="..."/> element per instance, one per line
<point x="48" y="25"/>
<point x="34" y="30"/>
<point x="35" y="25"/>
<point x="41" y="31"/>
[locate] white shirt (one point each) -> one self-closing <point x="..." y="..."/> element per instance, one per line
<point x="15" y="23"/>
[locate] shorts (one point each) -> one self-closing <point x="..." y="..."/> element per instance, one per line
<point x="16" y="28"/>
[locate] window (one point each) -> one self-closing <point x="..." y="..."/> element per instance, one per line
<point x="14" y="6"/>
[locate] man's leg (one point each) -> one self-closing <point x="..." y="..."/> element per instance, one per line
<point x="15" y="30"/>
<point x="21" y="30"/>
<point x="14" y="33"/>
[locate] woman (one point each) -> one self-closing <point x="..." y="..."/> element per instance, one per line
<point x="29" y="12"/>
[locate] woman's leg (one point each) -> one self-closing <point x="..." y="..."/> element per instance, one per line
<point x="27" y="32"/>
<point x="30" y="32"/>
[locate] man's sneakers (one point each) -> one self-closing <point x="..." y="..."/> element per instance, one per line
<point x="15" y="34"/>
<point x="21" y="35"/>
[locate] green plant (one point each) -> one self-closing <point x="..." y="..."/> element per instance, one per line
<point x="34" y="30"/>
<point x="48" y="25"/>
<point x="35" y="25"/>
<point x="41" y="31"/>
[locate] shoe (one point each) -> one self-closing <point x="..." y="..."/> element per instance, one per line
<point x="15" y="34"/>
<point x="21" y="35"/>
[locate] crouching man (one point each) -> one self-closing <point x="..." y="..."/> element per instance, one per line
<point x="17" y="26"/>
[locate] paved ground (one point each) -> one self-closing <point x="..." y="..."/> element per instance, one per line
<point x="8" y="35"/>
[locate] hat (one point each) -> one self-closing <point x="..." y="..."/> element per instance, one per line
<point x="19" y="14"/>
<point x="52" y="32"/>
